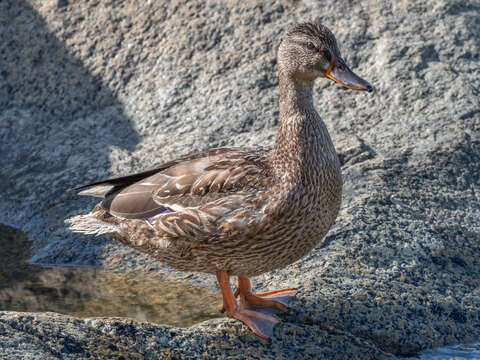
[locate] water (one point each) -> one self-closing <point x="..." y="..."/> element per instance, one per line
<point x="92" y="292"/>
<point x="455" y="352"/>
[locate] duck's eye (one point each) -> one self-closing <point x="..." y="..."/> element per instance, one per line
<point x="310" y="45"/>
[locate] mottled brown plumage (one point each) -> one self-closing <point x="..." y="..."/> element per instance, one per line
<point x="240" y="211"/>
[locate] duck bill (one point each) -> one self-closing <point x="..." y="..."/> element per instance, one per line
<point x="341" y="73"/>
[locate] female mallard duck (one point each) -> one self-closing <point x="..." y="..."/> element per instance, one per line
<point x="240" y="211"/>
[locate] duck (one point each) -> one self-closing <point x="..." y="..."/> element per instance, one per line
<point x="233" y="211"/>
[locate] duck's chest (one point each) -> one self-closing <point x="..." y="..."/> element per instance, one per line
<point x="285" y="223"/>
<point x="309" y="202"/>
<point x="292" y="226"/>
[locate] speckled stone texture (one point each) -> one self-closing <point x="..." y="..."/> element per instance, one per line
<point x="98" y="88"/>
<point x="52" y="336"/>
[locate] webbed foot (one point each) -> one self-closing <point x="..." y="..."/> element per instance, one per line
<point x="256" y="310"/>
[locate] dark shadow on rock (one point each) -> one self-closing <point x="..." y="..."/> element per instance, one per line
<point x="428" y="54"/>
<point x="57" y="123"/>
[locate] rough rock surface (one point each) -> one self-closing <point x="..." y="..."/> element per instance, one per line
<point x="98" y="88"/>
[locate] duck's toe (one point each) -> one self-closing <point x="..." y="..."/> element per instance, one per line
<point x="270" y="302"/>
<point x="261" y="324"/>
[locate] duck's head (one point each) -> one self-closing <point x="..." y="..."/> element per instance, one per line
<point x="309" y="51"/>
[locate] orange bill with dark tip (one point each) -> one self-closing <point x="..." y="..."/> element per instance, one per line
<point x="339" y="72"/>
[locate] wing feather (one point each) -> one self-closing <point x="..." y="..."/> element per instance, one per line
<point x="176" y="187"/>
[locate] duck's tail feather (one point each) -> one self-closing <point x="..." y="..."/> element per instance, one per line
<point x="99" y="191"/>
<point x="88" y="224"/>
<point x="139" y="234"/>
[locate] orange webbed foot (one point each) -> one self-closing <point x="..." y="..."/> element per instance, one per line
<point x="275" y="301"/>
<point x="256" y="310"/>
<point x="269" y="302"/>
<point x="261" y="324"/>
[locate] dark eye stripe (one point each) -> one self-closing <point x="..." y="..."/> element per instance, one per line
<point x="327" y="55"/>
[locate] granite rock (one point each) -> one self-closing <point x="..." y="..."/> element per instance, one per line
<point x="53" y="336"/>
<point x="101" y="88"/>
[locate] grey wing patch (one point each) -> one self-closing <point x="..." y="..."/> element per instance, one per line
<point x="133" y="202"/>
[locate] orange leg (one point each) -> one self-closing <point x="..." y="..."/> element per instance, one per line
<point x="235" y="295"/>
<point x="261" y="324"/>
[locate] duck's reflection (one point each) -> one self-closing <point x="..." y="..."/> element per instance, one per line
<point x="91" y="292"/>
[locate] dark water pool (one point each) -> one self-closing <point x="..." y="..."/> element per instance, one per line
<point x="92" y="292"/>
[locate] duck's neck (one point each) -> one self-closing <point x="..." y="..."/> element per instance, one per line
<point x="303" y="146"/>
<point x="295" y="96"/>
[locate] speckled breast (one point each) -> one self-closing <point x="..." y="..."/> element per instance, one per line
<point x="291" y="234"/>
<point x="295" y="236"/>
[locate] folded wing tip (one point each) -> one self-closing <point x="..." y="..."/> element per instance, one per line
<point x="96" y="190"/>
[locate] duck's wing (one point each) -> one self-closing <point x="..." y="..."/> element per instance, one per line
<point x="103" y="187"/>
<point x="191" y="181"/>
